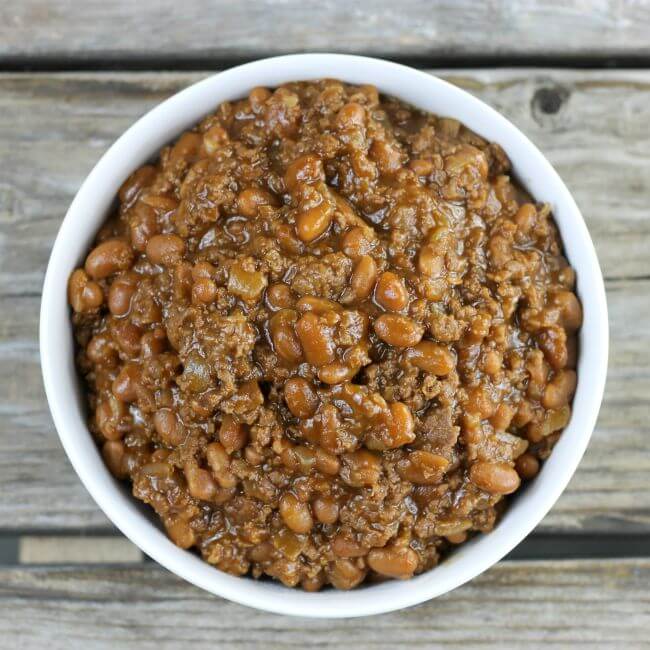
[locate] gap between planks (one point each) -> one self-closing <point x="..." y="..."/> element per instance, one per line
<point x="72" y="548"/>
<point x="190" y="64"/>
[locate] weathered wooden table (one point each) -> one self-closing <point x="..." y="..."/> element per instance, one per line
<point x="573" y="75"/>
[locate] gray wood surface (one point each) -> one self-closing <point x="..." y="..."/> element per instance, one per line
<point x="593" y="125"/>
<point x="151" y="30"/>
<point x="522" y="605"/>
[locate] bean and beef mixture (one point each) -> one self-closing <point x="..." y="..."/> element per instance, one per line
<point x="325" y="334"/>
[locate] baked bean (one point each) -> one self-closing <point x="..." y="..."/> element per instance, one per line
<point x="252" y="456"/>
<point x="430" y="262"/>
<point x="553" y="420"/>
<point x="143" y="225"/>
<point x="203" y="271"/>
<point x="393" y="562"/>
<point x="306" y="169"/>
<point x="570" y="309"/>
<point x="165" y="250"/>
<point x="401" y="424"/>
<point x="180" y="533"/>
<point x="127" y="336"/>
<point x="344" y="546"/>
<point x="326" y="510"/>
<point x="247" y="285"/>
<point x="317" y="305"/>
<point x="356" y="243"/>
<point x="296" y="515"/>
<point x="252" y="199"/>
<point x="135" y="183"/>
<point x="110" y="417"/>
<point x="388" y="157"/>
<point x="114" y="455"/>
<point x="219" y="463"/>
<point x="313" y="222"/>
<point x="101" y="350"/>
<point x="217" y="457"/>
<point x="421" y="167"/>
<point x="502" y="417"/>
<point x="200" y="483"/>
<point x="313" y="583"/>
<point x="363" y="277"/>
<point x="160" y="202"/>
<point x="168" y="427"/>
<point x="315" y="340"/>
<point x="360" y="468"/>
<point x="84" y="294"/>
<point x="351" y="115"/>
<point x="398" y="331"/>
<point x="554" y="344"/>
<point x="279" y="296"/>
<point x="480" y="402"/>
<point x="120" y="293"/>
<point x="204" y="291"/>
<point x="390" y="292"/>
<point x="422" y="467"/>
<point x="560" y="389"/>
<point x="109" y="257"/>
<point x="525" y="218"/>
<point x="185" y="148"/>
<point x="456" y="538"/>
<point x="126" y="383"/>
<point x="289" y="243"/>
<point x="344" y="574"/>
<point x="336" y="373"/>
<point x="495" y="478"/>
<point x="567" y="277"/>
<point x="527" y="466"/>
<point x="215" y="138"/>
<point x="299" y="458"/>
<point x="285" y="342"/>
<point x="330" y="424"/>
<point x="326" y="462"/>
<point x="300" y="397"/>
<point x="262" y="552"/>
<point x="524" y="414"/>
<point x="258" y="98"/>
<point x="432" y="358"/>
<point x="232" y="434"/>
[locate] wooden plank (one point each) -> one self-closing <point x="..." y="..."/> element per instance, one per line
<point x="77" y="550"/>
<point x="206" y="30"/>
<point x="518" y="605"/>
<point x="54" y="127"/>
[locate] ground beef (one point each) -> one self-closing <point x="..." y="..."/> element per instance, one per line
<point x="325" y="335"/>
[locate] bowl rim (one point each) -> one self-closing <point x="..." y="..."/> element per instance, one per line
<point x="142" y="140"/>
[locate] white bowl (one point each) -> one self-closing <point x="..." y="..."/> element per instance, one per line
<point x="142" y="141"/>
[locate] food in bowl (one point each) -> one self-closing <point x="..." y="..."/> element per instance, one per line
<point x="325" y="335"/>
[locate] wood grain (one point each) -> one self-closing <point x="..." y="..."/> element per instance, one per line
<point x="591" y="124"/>
<point x="522" y="605"/>
<point x="209" y="30"/>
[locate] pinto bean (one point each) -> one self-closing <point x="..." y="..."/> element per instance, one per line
<point x="393" y="562"/>
<point x="495" y="478"/>
<point x="109" y="257"/>
<point x="398" y="331"/>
